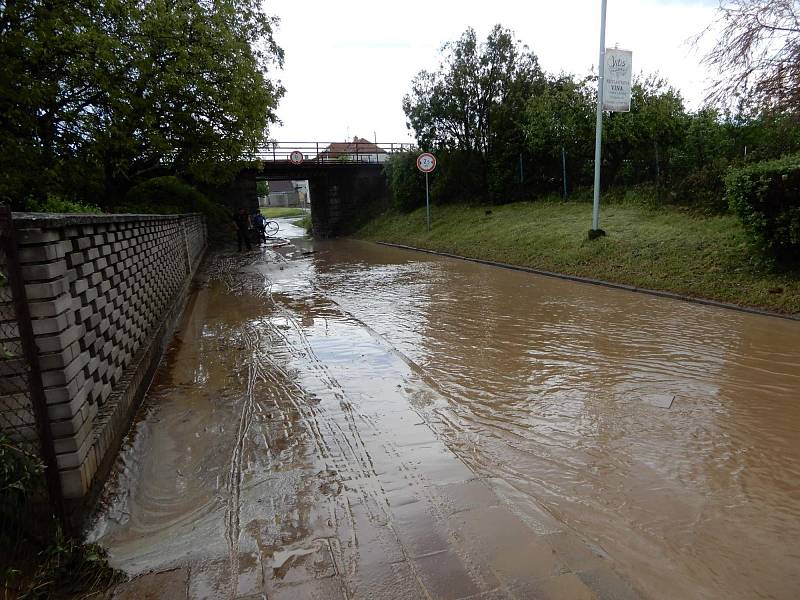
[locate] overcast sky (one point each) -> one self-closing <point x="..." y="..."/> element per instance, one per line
<point x="349" y="62"/>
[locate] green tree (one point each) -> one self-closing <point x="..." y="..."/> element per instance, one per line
<point x="640" y="139"/>
<point x="560" y="117"/>
<point x="99" y="95"/>
<point x="471" y="104"/>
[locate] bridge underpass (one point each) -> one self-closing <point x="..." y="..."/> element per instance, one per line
<point x="347" y="182"/>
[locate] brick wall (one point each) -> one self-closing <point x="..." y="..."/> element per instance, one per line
<point x="104" y="294"/>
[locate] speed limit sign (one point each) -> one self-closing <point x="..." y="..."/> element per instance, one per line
<point x="426" y="162"/>
<point x="296" y="157"/>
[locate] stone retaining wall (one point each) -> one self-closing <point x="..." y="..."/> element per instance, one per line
<point x="104" y="294"/>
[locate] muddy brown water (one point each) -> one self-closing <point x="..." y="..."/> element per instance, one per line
<point x="304" y="388"/>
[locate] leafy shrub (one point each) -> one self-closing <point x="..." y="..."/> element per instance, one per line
<point x="36" y="559"/>
<point x="766" y="197"/>
<point x="71" y="568"/>
<point x="20" y="479"/>
<point x="406" y="182"/>
<point x="57" y="204"/>
<point x="170" y="195"/>
<point x="460" y="177"/>
<point x="704" y="188"/>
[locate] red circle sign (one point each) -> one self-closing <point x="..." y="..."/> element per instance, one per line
<point x="296" y="157"/>
<point x="426" y="162"/>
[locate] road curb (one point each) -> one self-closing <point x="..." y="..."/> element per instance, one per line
<point x="600" y="282"/>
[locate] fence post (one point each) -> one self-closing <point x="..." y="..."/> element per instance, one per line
<point x="8" y="239"/>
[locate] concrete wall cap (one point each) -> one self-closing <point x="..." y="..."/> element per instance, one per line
<point x="26" y="220"/>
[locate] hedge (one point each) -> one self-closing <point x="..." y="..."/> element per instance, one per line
<point x="766" y="197"/>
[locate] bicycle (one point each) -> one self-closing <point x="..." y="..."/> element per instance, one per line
<point x="271" y="228"/>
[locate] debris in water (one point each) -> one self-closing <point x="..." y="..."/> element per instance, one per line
<point x="660" y="400"/>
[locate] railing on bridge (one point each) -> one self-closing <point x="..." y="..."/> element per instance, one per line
<point x="357" y="151"/>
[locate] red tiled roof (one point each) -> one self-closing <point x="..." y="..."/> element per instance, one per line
<point x="357" y="146"/>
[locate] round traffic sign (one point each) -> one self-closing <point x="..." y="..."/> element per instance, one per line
<point x="296" y="157"/>
<point x="426" y="162"/>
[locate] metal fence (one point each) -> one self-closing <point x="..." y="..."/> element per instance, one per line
<point x="23" y="406"/>
<point x="358" y="151"/>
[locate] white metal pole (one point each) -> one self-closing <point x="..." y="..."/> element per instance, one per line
<point x="427" y="201"/>
<point x="598" y="133"/>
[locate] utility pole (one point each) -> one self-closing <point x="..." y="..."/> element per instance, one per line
<point x="598" y="135"/>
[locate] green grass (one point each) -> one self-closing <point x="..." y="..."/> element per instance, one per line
<point x="276" y="212"/>
<point x="305" y="223"/>
<point x="667" y="248"/>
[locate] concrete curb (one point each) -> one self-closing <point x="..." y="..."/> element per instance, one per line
<point x="600" y="282"/>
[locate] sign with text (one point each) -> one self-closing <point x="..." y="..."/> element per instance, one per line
<point x="617" y="80"/>
<point x="296" y="157"/>
<point x="426" y="162"/>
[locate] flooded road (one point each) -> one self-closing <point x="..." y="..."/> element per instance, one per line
<point x="366" y="422"/>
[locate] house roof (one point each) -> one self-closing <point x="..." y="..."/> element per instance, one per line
<point x="357" y="146"/>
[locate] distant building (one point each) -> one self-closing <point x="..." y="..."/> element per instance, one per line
<point x="286" y="193"/>
<point x="359" y="150"/>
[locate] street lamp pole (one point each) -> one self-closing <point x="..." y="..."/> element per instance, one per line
<point x="598" y="135"/>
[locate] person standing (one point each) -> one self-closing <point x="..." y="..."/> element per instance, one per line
<point x="259" y="223"/>
<point x="242" y="220"/>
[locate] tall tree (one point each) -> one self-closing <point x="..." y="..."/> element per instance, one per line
<point x="98" y="95"/>
<point x="756" y="54"/>
<point x="452" y="108"/>
<point x="641" y="137"/>
<point x="471" y="106"/>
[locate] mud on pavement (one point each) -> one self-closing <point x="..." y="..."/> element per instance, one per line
<point x="280" y="455"/>
<point x="343" y="420"/>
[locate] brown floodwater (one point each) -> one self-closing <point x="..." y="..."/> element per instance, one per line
<point x="302" y="386"/>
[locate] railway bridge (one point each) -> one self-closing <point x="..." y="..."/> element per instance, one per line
<point x="347" y="182"/>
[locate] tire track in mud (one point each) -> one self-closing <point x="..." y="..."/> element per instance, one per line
<point x="340" y="448"/>
<point x="376" y="494"/>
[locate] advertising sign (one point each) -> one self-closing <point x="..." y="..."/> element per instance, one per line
<point x="617" y="80"/>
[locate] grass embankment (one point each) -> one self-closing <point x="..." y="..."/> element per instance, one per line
<point x="666" y="249"/>
<point x="305" y="223"/>
<point x="276" y="212"/>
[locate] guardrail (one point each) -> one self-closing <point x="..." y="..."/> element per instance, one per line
<point x="361" y="151"/>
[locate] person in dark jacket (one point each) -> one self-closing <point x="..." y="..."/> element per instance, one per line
<point x="259" y="223"/>
<point x="242" y="220"/>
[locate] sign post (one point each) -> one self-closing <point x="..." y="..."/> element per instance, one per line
<point x="598" y="130"/>
<point x="426" y="162"/>
<point x="613" y="95"/>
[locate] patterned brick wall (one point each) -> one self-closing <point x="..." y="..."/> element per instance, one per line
<point x="104" y="293"/>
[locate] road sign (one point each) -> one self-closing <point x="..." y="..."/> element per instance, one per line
<point x="296" y="157"/>
<point x="617" y="80"/>
<point x="426" y="162"/>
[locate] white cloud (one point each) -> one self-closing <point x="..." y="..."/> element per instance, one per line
<point x="349" y="63"/>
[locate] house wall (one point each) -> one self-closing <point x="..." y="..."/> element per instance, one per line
<point x="104" y="293"/>
<point x="284" y="199"/>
